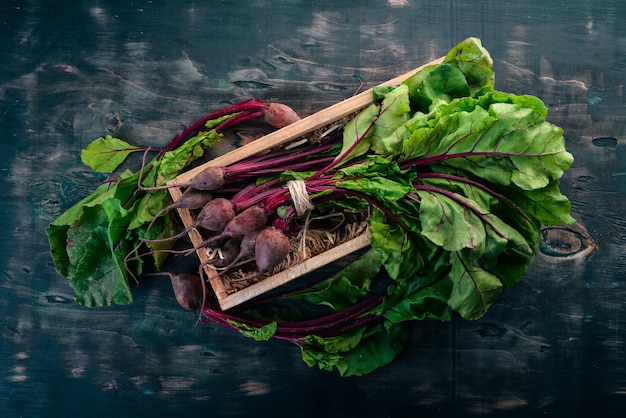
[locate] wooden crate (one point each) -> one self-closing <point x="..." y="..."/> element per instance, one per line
<point x="226" y="297"/>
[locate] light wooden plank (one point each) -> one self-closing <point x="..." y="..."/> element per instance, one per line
<point x="294" y="272"/>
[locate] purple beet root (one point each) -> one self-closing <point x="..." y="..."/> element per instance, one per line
<point x="229" y="252"/>
<point x="211" y="178"/>
<point x="279" y="115"/>
<point x="191" y="199"/>
<point x="271" y="248"/>
<point x="246" y="247"/>
<point x="214" y="216"/>
<point x="250" y="220"/>
<point x="188" y="289"/>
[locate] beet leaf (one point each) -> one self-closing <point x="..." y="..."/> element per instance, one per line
<point x="105" y="154"/>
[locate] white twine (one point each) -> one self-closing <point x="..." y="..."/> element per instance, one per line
<point x="303" y="236"/>
<point x="300" y="197"/>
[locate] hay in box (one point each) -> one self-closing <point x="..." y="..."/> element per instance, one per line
<point x="319" y="242"/>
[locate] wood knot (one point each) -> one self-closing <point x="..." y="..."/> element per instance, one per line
<point x="566" y="241"/>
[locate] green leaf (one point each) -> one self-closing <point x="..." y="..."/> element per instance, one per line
<point x="547" y="205"/>
<point x="357" y="133"/>
<point x="440" y="86"/>
<point x="394" y="111"/>
<point x="94" y="269"/>
<point x="496" y="208"/>
<point x="473" y="288"/>
<point x="474" y="62"/>
<point x="467" y="69"/>
<point x="456" y="223"/>
<point x="346" y="287"/>
<point x="166" y="226"/>
<point x="338" y="344"/>
<point x="57" y="231"/>
<point x="502" y="144"/>
<point x="378" y="187"/>
<point x="263" y="333"/>
<point x="378" y="177"/>
<point x="536" y="148"/>
<point x="403" y="256"/>
<point x="418" y="299"/>
<point x="450" y="221"/>
<point x="416" y="81"/>
<point x="356" y="353"/>
<point x="106" y="154"/>
<point x="173" y="162"/>
<point x="148" y="206"/>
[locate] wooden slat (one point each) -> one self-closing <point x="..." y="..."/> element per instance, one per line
<point x="293" y="272"/>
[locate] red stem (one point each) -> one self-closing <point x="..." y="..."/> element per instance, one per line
<point x="237" y="119"/>
<point x="457" y="199"/>
<point x="422" y="161"/>
<point x="341" y="157"/>
<point x="250" y="105"/>
<point x="325" y="326"/>
<point x="478" y="185"/>
<point x="281" y="160"/>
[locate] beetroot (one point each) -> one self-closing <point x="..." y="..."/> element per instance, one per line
<point x="190" y="199"/>
<point x="214" y="216"/>
<point x="188" y="289"/>
<point x="211" y="178"/>
<point x="246" y="246"/>
<point x="271" y="248"/>
<point x="229" y="252"/>
<point x="279" y="115"/>
<point x="250" y="220"/>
